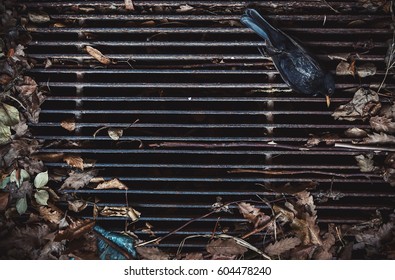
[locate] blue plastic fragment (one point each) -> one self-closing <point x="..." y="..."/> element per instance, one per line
<point x="109" y="253"/>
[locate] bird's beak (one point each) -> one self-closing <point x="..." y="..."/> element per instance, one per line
<point x="328" y="101"/>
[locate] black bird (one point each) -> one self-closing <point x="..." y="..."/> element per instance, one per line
<point x="299" y="69"/>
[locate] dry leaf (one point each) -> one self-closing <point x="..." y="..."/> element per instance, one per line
<point x="355" y="132"/>
<point x="364" y="104"/>
<point x="382" y="124"/>
<point x="77" y="205"/>
<point x="68" y="124"/>
<point x="115" y="133"/>
<point x="152" y="253"/>
<point x="367" y="69"/>
<point x="4" y="197"/>
<point x="127" y="212"/>
<point x="184" y="8"/>
<point x="74" y="161"/>
<point x="365" y="163"/>
<point x="38" y="17"/>
<point x="345" y="68"/>
<point x="75" y="230"/>
<point x="282" y="246"/>
<point x="26" y="86"/>
<point x="112" y="184"/>
<point x="96" y="54"/>
<point x="78" y="180"/>
<point x="227" y="247"/>
<point x="340" y="56"/>
<point x="49" y="157"/>
<point x="194" y="256"/>
<point x="381" y="138"/>
<point x="253" y="214"/>
<point x="129" y="5"/>
<point x="51" y="214"/>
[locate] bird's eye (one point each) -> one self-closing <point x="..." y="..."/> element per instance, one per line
<point x="330" y="91"/>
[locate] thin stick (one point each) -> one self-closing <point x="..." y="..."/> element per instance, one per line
<point x="275" y="172"/>
<point x="366" y="148"/>
<point x="333" y="9"/>
<point x="261" y="228"/>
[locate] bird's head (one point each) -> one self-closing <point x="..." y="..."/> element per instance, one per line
<point x="329" y="88"/>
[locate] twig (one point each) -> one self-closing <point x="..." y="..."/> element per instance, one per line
<point x="333" y="9"/>
<point x="261" y="228"/>
<point x="225" y="145"/>
<point x="239" y="241"/>
<point x="366" y="148"/>
<point x="391" y="64"/>
<point x="20" y="103"/>
<point x="275" y="172"/>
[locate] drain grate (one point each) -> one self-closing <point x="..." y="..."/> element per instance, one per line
<point x="197" y="101"/>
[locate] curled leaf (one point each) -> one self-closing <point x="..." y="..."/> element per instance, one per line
<point x="115" y="133"/>
<point x="74" y="161"/>
<point x="112" y="184"/>
<point x="364" y="104"/>
<point x="344" y="68"/>
<point x="68" y="124"/>
<point x="382" y="124"/>
<point x="77" y="205"/>
<point x="355" y="132"/>
<point x="78" y="180"/>
<point x="127" y="212"/>
<point x="367" y="69"/>
<point x="96" y="54"/>
<point x="253" y="214"/>
<point x="365" y="162"/>
<point x="38" y="17"/>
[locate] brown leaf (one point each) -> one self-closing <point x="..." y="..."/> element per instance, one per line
<point x="306" y="200"/>
<point x="344" y="68"/>
<point x="74" y="161"/>
<point x="26" y="86"/>
<point x="329" y="139"/>
<point x="382" y="124"/>
<point x="227" y="247"/>
<point x="364" y="104"/>
<point x="129" y="5"/>
<point x="75" y="230"/>
<point x="68" y="124"/>
<point x="38" y="17"/>
<point x="5" y="79"/>
<point x="51" y="214"/>
<point x="194" y="256"/>
<point x="112" y="184"/>
<point x="355" y="132"/>
<point x="282" y="246"/>
<point x="78" y="180"/>
<point x="49" y="157"/>
<point x="77" y="205"/>
<point x="115" y="133"/>
<point x="152" y="253"/>
<point x="381" y="138"/>
<point x="367" y="69"/>
<point x="127" y="212"/>
<point x="96" y="54"/>
<point x="253" y="214"/>
<point x="4" y="200"/>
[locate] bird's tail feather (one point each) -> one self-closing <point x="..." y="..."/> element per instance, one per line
<point x="256" y="22"/>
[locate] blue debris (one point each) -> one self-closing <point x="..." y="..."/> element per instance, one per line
<point x="122" y="241"/>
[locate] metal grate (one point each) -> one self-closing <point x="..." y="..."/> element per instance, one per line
<point x="206" y="103"/>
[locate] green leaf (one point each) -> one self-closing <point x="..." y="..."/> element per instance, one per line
<point x="23" y="176"/>
<point x="41" y="179"/>
<point x="9" y="115"/>
<point x="5" y="134"/>
<point x="42" y="197"/>
<point x="5" y="182"/>
<point x="21" y="205"/>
